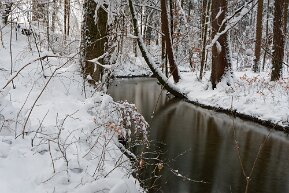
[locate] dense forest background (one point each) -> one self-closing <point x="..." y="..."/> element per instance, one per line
<point x="216" y="36"/>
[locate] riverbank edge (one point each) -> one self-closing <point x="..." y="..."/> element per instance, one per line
<point x="134" y="76"/>
<point x="234" y="112"/>
<point x="231" y="112"/>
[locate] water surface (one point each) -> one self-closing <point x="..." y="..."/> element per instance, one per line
<point x="200" y="145"/>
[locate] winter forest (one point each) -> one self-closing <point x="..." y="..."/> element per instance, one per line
<point x="133" y="96"/>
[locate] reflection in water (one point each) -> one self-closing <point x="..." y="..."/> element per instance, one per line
<point x="143" y="92"/>
<point x="207" y="137"/>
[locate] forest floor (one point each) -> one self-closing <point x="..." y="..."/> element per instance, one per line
<point x="56" y="136"/>
<point x="250" y="94"/>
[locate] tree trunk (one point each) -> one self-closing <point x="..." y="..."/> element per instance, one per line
<point x="278" y="40"/>
<point x="203" y="17"/>
<point x="168" y="40"/>
<point x="171" y="19"/>
<point x="94" y="38"/>
<point x="258" y="36"/>
<point x="47" y="25"/>
<point x="38" y="10"/>
<point x="169" y="87"/>
<point x="163" y="54"/>
<point x="221" y="63"/>
<point x="204" y="32"/>
<point x="285" y="26"/>
<point x="285" y="16"/>
<point x="266" y="33"/>
<point x="7" y="11"/>
<point x="54" y="15"/>
<point x="66" y="18"/>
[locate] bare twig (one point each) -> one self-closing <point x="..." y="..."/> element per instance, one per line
<point x="54" y="72"/>
<point x="23" y="67"/>
<point x="11" y="56"/>
<point x="22" y="109"/>
<point x="245" y="174"/>
<point x="49" y="149"/>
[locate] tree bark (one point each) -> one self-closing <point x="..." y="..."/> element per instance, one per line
<point x="171" y="7"/>
<point x="93" y="40"/>
<point x="164" y="62"/>
<point x="47" y="21"/>
<point x="266" y="33"/>
<point x="221" y="63"/>
<point x="169" y="87"/>
<point x="66" y="18"/>
<point x="258" y="36"/>
<point x="278" y="40"/>
<point x="7" y="11"/>
<point x="205" y="11"/>
<point x="54" y="15"/>
<point x="285" y="16"/>
<point x="203" y="15"/>
<point x="38" y="10"/>
<point x="168" y="40"/>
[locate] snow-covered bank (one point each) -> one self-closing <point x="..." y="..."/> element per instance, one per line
<point x="130" y="66"/>
<point x="251" y="95"/>
<point x="71" y="141"/>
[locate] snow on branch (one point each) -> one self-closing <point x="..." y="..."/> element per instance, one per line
<point x="22" y="68"/>
<point x="96" y="61"/>
<point x="231" y="21"/>
<point x="170" y="87"/>
<point x="112" y="7"/>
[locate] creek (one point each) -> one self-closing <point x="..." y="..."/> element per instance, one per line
<point x="196" y="144"/>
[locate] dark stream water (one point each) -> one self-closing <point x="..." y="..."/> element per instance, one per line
<point x="200" y="144"/>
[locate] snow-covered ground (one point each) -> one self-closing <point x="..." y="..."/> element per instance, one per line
<point x="130" y="66"/>
<point x="250" y="93"/>
<point x="70" y="141"/>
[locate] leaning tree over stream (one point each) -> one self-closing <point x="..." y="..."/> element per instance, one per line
<point x="228" y="31"/>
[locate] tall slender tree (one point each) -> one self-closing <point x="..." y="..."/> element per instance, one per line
<point x="38" y="10"/>
<point x="266" y="33"/>
<point x="258" y="36"/>
<point x="205" y="10"/>
<point x="168" y="39"/>
<point x="54" y="14"/>
<point x="164" y="62"/>
<point x="66" y="18"/>
<point x="278" y="38"/>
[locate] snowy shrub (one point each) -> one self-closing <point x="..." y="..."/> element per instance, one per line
<point x="90" y="150"/>
<point x="120" y="117"/>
